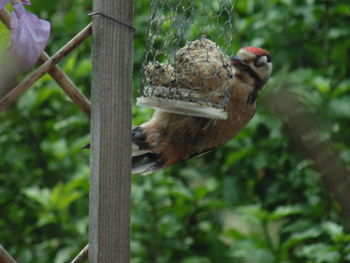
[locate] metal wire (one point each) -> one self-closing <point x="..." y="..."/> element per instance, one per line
<point x="92" y="14"/>
<point x="174" y="25"/>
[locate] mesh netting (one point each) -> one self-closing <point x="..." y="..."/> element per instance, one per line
<point x="187" y="69"/>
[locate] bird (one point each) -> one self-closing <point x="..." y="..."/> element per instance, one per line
<point x="169" y="138"/>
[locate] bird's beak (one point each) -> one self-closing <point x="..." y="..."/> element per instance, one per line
<point x="237" y="60"/>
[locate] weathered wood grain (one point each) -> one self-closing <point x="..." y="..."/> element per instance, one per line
<point x="109" y="227"/>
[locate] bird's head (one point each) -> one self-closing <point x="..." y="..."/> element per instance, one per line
<point x="254" y="61"/>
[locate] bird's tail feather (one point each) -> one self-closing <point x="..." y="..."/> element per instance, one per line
<point x="146" y="163"/>
<point x="136" y="151"/>
<point x="143" y="160"/>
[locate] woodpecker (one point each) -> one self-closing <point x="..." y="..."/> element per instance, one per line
<point x="169" y="138"/>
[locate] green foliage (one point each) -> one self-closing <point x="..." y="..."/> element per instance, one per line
<point x="5" y="38"/>
<point x="256" y="199"/>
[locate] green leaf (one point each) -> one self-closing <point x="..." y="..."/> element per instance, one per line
<point x="320" y="253"/>
<point x="4" y="39"/>
<point x="284" y="211"/>
<point x="334" y="230"/>
<point x="340" y="107"/>
<point x="299" y="237"/>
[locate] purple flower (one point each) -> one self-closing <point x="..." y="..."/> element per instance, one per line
<point x="3" y="3"/>
<point x="29" y="36"/>
<point x="26" y="2"/>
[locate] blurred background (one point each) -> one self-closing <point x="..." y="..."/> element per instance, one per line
<point x="265" y="196"/>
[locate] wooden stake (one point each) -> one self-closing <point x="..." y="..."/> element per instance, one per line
<point x="109" y="236"/>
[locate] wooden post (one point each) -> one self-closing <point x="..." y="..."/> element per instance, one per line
<point x="109" y="227"/>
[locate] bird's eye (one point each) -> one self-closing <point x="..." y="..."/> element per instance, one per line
<point x="260" y="61"/>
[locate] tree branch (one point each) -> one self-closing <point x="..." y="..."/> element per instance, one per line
<point x="46" y="67"/>
<point x="5" y="257"/>
<point x="83" y="254"/>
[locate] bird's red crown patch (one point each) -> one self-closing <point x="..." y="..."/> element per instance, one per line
<point x="256" y="50"/>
